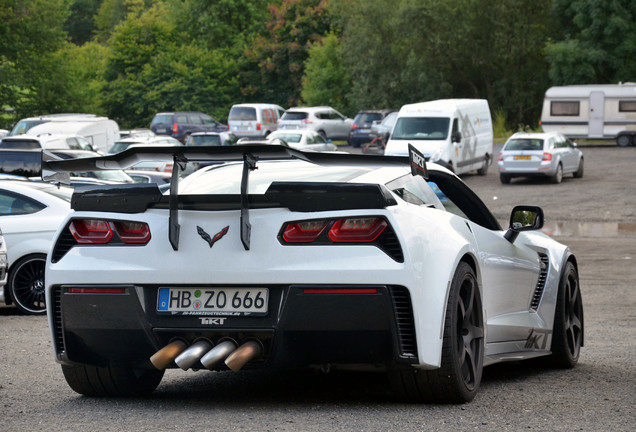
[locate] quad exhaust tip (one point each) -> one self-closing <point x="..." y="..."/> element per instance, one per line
<point x="204" y="353"/>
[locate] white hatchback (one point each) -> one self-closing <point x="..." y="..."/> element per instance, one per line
<point x="323" y="119"/>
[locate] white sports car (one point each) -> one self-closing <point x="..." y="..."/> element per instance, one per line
<point x="280" y="258"/>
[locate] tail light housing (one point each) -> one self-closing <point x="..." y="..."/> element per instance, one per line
<point x="547" y="157"/>
<point x="258" y="126"/>
<point x="175" y="128"/>
<point x="98" y="231"/>
<point x="500" y="158"/>
<point x="306" y="121"/>
<point x="357" y="230"/>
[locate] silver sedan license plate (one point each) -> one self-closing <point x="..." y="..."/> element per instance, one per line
<point x="213" y="301"/>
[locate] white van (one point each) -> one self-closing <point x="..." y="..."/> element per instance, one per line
<point x="100" y="132"/>
<point x="455" y="133"/>
<point x="606" y="111"/>
<point x="254" y="120"/>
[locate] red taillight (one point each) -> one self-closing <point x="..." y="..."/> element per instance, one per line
<point x="500" y="157"/>
<point x="175" y="128"/>
<point x="167" y="168"/>
<point x="357" y="230"/>
<point x="97" y="231"/>
<point x="306" y="121"/>
<point x="348" y="230"/>
<point x="354" y="126"/>
<point x="304" y="232"/>
<point x="547" y="156"/>
<point x="133" y="232"/>
<point x="91" y="231"/>
<point x="258" y="126"/>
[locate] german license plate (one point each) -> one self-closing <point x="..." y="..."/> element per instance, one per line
<point x="522" y="157"/>
<point x="213" y="301"/>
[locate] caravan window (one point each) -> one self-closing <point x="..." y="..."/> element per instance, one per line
<point x="564" y="108"/>
<point x="627" y="106"/>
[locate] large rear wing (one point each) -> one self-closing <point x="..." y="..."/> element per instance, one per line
<point x="54" y="169"/>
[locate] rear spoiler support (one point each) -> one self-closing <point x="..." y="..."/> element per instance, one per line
<point x="249" y="164"/>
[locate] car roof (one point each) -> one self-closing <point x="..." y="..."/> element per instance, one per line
<point x="534" y="135"/>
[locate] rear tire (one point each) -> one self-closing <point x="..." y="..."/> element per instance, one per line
<point x="26" y="284"/>
<point x="114" y="380"/>
<point x="558" y="175"/>
<point x="579" y="171"/>
<point x="504" y="179"/>
<point x="459" y="377"/>
<point x="567" y="333"/>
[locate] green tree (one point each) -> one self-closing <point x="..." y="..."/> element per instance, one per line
<point x="594" y="42"/>
<point x="80" y="25"/>
<point x="326" y="81"/>
<point x="276" y="60"/>
<point x="31" y="33"/>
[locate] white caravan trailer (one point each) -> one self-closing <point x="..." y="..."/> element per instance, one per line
<point x="101" y="132"/>
<point x="455" y="133"/>
<point x="592" y="111"/>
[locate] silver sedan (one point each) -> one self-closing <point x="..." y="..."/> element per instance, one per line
<point x="549" y="155"/>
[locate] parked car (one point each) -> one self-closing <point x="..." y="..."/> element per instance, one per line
<point x="211" y="139"/>
<point x="282" y="259"/>
<point x="98" y="133"/>
<point x="323" y="119"/>
<point x="135" y="133"/>
<point x="254" y="120"/>
<point x="383" y="128"/>
<point x="181" y="124"/>
<point x="550" y="155"/>
<point x="361" y="127"/>
<point x="30" y="213"/>
<point x="46" y="141"/>
<point x="25" y="124"/>
<point x="303" y="139"/>
<point x="159" y="140"/>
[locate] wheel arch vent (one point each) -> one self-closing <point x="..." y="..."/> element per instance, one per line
<point x="543" y="276"/>
<point x="405" y="323"/>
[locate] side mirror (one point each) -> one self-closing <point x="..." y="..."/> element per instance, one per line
<point x="456" y="137"/>
<point x="524" y="218"/>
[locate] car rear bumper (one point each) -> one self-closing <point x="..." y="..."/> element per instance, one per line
<point x="306" y="325"/>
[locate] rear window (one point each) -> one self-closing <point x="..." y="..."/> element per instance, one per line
<point x="524" y="144"/>
<point x="162" y="119"/>
<point x="20" y="144"/>
<point x="294" y="115"/>
<point x="363" y="118"/>
<point x="204" y="140"/>
<point x="242" y="114"/>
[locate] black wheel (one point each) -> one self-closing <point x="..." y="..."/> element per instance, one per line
<point x="558" y="175"/>
<point x="26" y="284"/>
<point x="623" y="140"/>
<point x="484" y="169"/>
<point x="459" y="377"/>
<point x="114" y="380"/>
<point x="579" y="171"/>
<point x="504" y="179"/>
<point x="567" y="334"/>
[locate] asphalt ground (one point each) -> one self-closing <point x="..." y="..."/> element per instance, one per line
<point x="594" y="215"/>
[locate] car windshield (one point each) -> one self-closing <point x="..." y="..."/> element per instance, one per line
<point x="524" y="144"/>
<point x="23" y="126"/>
<point x="242" y="114"/>
<point x="226" y="179"/>
<point x="421" y="128"/>
<point x="204" y="140"/>
<point x="294" y="115"/>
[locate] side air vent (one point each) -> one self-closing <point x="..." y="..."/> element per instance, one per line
<point x="63" y="244"/>
<point x="58" y="335"/>
<point x="543" y="275"/>
<point x="405" y="322"/>
<point x="390" y="244"/>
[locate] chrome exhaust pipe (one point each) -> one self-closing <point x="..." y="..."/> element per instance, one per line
<point x="166" y="355"/>
<point x="248" y="351"/>
<point x="218" y="353"/>
<point x="192" y="355"/>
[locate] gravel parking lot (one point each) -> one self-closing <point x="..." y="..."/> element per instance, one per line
<point x="595" y="216"/>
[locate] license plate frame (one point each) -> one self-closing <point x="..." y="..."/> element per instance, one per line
<point x="523" y="157"/>
<point x="213" y="301"/>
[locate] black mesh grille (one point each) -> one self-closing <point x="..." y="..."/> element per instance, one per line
<point x="64" y="243"/>
<point x="543" y="275"/>
<point x="58" y="334"/>
<point x="405" y="322"/>
<point x="390" y="244"/>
